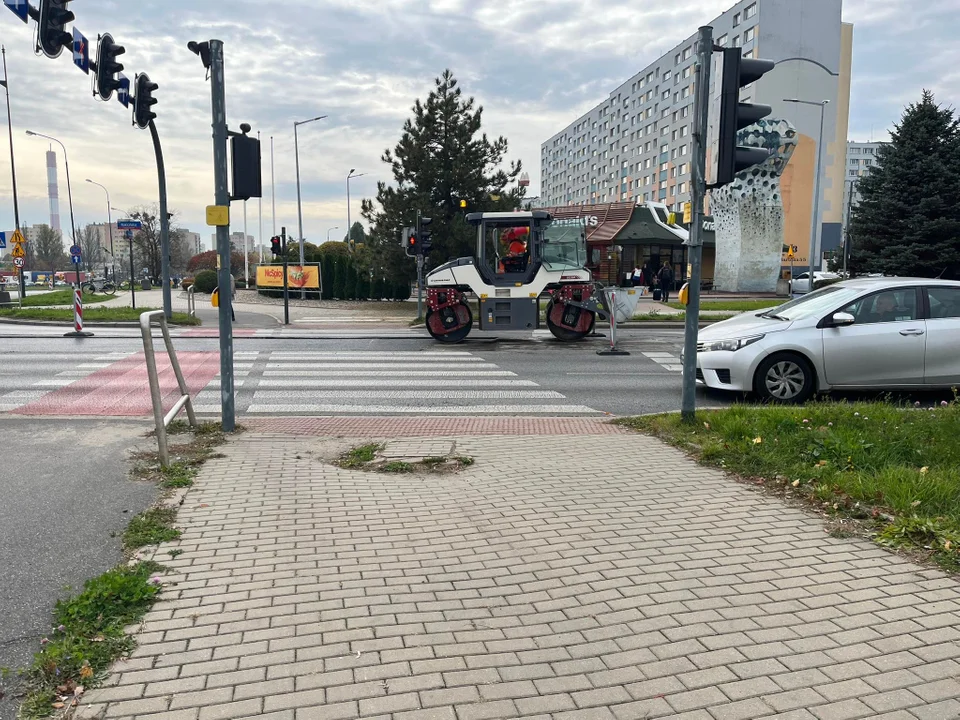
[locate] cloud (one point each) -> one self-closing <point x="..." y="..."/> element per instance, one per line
<point x="535" y="67"/>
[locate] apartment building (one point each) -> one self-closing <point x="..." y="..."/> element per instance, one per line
<point x="636" y="145"/>
<point x="861" y="159"/>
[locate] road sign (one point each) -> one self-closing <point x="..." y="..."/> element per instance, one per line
<point x="18" y="251"/>
<point x="18" y="262"/>
<point x="687" y="213"/>
<point x="123" y="91"/>
<point x="129" y="224"/>
<point x="75" y="260"/>
<point x="3" y="240"/>
<point x="21" y="8"/>
<point x="218" y="215"/>
<point x="18" y="238"/>
<point x="75" y="250"/>
<point x="81" y="51"/>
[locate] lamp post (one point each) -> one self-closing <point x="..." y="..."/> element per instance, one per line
<point x="350" y="176"/>
<point x="21" y="286"/>
<point x="113" y="265"/>
<point x="66" y="164"/>
<point x="296" y="152"/>
<point x="846" y="236"/>
<point x="337" y="227"/>
<point x="815" y="224"/>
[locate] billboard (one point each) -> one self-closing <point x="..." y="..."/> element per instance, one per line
<point x="306" y="277"/>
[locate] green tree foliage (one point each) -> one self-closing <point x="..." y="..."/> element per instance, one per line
<point x="49" y="249"/>
<point x="443" y="157"/>
<point x="908" y="221"/>
<point x="357" y="236"/>
<point x="208" y="261"/>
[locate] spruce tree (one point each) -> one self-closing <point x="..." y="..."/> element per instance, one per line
<point x="908" y="220"/>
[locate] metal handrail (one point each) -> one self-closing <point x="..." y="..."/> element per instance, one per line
<point x="191" y="302"/>
<point x="161" y="420"/>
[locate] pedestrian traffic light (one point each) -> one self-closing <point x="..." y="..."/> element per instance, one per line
<point x="144" y="100"/>
<point x="51" y="35"/>
<point x="246" y="165"/>
<point x="424" y="235"/>
<point x="409" y="241"/>
<point x="107" y="66"/>
<point x="276" y="247"/>
<point x="728" y="116"/>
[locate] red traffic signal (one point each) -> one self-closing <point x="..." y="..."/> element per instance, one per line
<point x="276" y="247"/>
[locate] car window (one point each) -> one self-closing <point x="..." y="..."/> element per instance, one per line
<point x="944" y="302"/>
<point x="898" y="305"/>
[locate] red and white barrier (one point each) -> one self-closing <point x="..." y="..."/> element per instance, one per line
<point x="77" y="311"/>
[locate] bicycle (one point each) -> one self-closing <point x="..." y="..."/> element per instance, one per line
<point x="104" y="287"/>
<point x="124" y="286"/>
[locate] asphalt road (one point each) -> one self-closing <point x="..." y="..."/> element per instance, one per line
<point x="64" y="490"/>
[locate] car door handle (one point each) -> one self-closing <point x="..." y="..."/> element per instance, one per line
<point x="906" y="333"/>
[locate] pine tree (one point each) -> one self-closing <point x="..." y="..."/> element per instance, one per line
<point x="442" y="158"/>
<point x="908" y="220"/>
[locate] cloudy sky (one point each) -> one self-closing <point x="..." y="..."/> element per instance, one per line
<point x="534" y="66"/>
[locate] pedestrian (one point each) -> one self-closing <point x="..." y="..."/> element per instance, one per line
<point x="647" y="276"/>
<point x="666" y="281"/>
<point x="233" y="294"/>
<point x="637" y="277"/>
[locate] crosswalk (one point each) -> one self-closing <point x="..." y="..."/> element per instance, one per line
<point x="25" y="378"/>
<point x="439" y="382"/>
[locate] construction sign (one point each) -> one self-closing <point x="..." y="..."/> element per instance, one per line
<point x="298" y="278"/>
<point x="18" y="238"/>
<point x="18" y="251"/>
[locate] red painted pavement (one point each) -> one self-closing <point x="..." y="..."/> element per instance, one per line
<point x="378" y="427"/>
<point x="122" y="390"/>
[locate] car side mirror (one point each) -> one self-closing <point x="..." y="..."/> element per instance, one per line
<point x="842" y="319"/>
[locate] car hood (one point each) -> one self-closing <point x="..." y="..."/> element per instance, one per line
<point x="743" y="325"/>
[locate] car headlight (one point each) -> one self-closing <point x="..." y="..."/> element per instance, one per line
<point x="729" y="345"/>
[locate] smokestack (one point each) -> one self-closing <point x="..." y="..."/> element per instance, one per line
<point x="52" y="190"/>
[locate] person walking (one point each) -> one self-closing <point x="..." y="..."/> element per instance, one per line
<point x="666" y="282"/>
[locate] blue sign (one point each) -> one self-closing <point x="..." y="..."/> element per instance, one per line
<point x="3" y="240"/>
<point x="75" y="259"/>
<point x="129" y="224"/>
<point x="75" y="250"/>
<point x="81" y="51"/>
<point x="129" y="235"/>
<point x="123" y="90"/>
<point x="21" y="8"/>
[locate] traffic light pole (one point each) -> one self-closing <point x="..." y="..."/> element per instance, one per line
<point x="227" y="399"/>
<point x="13" y="169"/>
<point x="164" y="225"/>
<point x="286" y="285"/>
<point x="419" y="272"/>
<point x="688" y="408"/>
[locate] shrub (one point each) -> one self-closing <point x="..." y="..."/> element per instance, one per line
<point x="205" y="281"/>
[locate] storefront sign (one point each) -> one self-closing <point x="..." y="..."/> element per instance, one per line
<point x="583" y="221"/>
<point x="298" y="278"/>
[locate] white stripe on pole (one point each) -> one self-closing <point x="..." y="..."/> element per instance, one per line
<point x="77" y="311"/>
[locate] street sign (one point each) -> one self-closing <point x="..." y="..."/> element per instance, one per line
<point x="218" y="215"/>
<point x="75" y="259"/>
<point x="123" y="91"/>
<point x="75" y="250"/>
<point x="81" y="51"/>
<point x="18" y="262"/>
<point x="128" y="235"/>
<point x="21" y="8"/>
<point x="129" y="224"/>
<point x="3" y="240"/>
<point x="687" y="213"/>
<point x="18" y="251"/>
<point x="18" y="238"/>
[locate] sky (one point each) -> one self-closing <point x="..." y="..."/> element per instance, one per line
<point x="534" y="66"/>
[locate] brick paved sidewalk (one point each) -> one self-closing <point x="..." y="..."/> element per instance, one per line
<point x="565" y="577"/>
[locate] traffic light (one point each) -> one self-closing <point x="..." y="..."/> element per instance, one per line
<point x="107" y="66"/>
<point x="246" y="165"/>
<point x="275" y="246"/>
<point x="729" y="116"/>
<point x="144" y="100"/>
<point x="424" y="235"/>
<point x="51" y="35"/>
<point x="409" y="241"/>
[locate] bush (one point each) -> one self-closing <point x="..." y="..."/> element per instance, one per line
<point x="206" y="281"/>
<point x="241" y="284"/>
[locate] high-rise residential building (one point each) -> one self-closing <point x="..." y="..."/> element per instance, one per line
<point x="635" y="146"/>
<point x="194" y="242"/>
<point x="861" y="159"/>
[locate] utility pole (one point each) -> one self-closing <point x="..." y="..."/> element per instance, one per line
<point x="698" y="191"/>
<point x="286" y="286"/>
<point x="13" y="169"/>
<point x="419" y="271"/>
<point x="164" y="225"/>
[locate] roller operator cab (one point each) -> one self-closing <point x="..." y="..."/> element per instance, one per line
<point x="520" y="256"/>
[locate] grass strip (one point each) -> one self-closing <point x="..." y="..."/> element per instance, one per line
<point x="92" y="315"/>
<point x="894" y="468"/>
<point x="61" y="297"/>
<point x="709" y="305"/>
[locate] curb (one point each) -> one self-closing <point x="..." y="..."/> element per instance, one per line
<point x="95" y="323"/>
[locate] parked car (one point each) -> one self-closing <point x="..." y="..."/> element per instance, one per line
<point x="801" y="283"/>
<point x="868" y="333"/>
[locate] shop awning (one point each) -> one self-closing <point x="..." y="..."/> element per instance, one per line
<point x="603" y="222"/>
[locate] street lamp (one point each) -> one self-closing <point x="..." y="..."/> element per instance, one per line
<point x="815" y="224"/>
<point x="328" y="231"/>
<point x="846" y="238"/>
<point x="66" y="164"/>
<point x="350" y="175"/>
<point x="296" y="152"/>
<point x="109" y="227"/>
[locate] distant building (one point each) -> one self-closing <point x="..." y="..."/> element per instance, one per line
<point x="194" y="241"/>
<point x="236" y="242"/>
<point x="861" y="159"/>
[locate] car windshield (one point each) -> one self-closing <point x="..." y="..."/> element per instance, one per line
<point x="564" y="246"/>
<point x="816" y="303"/>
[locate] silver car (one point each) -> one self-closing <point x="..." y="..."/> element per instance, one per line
<point x="869" y="333"/>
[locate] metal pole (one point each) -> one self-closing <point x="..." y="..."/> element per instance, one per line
<point x="815" y="240"/>
<point x="286" y="288"/>
<point x="164" y="226"/>
<point x="246" y="254"/>
<point x="349" y="226"/>
<point x="296" y="152"/>
<point x="133" y="280"/>
<point x="228" y="410"/>
<point x="260" y="213"/>
<point x="13" y="168"/>
<point x="419" y="272"/>
<point x="846" y="239"/>
<point x="698" y="191"/>
<point x="273" y="190"/>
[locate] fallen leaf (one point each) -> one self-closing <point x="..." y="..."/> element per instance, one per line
<point x="757" y="441"/>
<point x="706" y="425"/>
<point x="915" y="503"/>
<point x="86" y="672"/>
<point x="796" y="483"/>
<point x="947" y="545"/>
<point x="98" y="638"/>
<point x="59" y="705"/>
<point x="78" y="690"/>
<point x="924" y="470"/>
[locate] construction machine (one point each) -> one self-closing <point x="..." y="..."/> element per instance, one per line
<point x="520" y="256"/>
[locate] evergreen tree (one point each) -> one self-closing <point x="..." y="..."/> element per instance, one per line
<point x="357" y="235"/>
<point x="442" y="158"/>
<point x="908" y="221"/>
<point x="339" y="268"/>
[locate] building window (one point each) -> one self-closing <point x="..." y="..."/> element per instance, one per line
<point x="688" y="71"/>
<point x="722" y="41"/>
<point x="665" y="95"/>
<point x="750" y="34"/>
<point x="683" y="149"/>
<point x="676" y="60"/>
<point x="684" y="130"/>
<point x="854" y="173"/>
<point x="666" y="76"/>
<point x="683" y="169"/>
<point x="868" y="162"/>
<point x="685" y="93"/>
<point x="750" y="11"/>
<point x="687" y="52"/>
<point x="750" y="53"/>
<point x="649" y="78"/>
<point x="737" y="41"/>
<point x="736" y="20"/>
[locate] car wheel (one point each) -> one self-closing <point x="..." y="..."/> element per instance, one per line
<point x="785" y="379"/>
